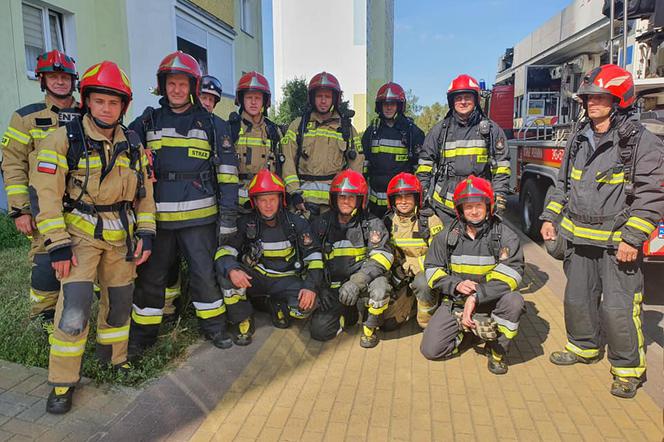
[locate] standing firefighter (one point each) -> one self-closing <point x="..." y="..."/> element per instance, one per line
<point x="274" y="260"/>
<point x="196" y="194"/>
<point x="256" y="138"/>
<point x="465" y="143"/>
<point x="607" y="201"/>
<point x="357" y="259"/>
<point x="210" y="92"/>
<point x="27" y="129"/>
<point x="94" y="195"/>
<point x="476" y="264"/>
<point x="318" y="145"/>
<point x="390" y="144"/>
<point x="412" y="228"/>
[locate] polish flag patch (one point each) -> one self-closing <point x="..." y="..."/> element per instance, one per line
<point x="47" y="167"/>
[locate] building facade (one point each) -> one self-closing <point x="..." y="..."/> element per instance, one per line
<point x="352" y="39"/>
<point x="224" y="35"/>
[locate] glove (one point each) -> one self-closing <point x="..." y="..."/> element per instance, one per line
<point x="61" y="254"/>
<point x="485" y="327"/>
<point x="349" y="293"/>
<point x="325" y="300"/>
<point x="501" y="203"/>
<point x="147" y="241"/>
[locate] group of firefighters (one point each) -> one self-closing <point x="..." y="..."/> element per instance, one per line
<point x="314" y="220"/>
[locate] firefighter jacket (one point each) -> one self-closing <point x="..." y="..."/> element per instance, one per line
<point x="288" y="249"/>
<point x="389" y="150"/>
<point x="195" y="166"/>
<point x="324" y="153"/>
<point x="410" y="237"/>
<point x="493" y="259"/>
<point x="591" y="202"/>
<point x="108" y="181"/>
<point x="27" y="129"/>
<point x="358" y="250"/>
<point x="455" y="149"/>
<point x="257" y="147"/>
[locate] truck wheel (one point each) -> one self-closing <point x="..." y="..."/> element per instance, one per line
<point x="531" y="204"/>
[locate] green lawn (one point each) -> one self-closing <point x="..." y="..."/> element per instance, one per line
<point x="25" y="342"/>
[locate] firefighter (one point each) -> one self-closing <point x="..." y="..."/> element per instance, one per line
<point x="319" y="145"/>
<point x="27" y="129"/>
<point x="476" y="264"/>
<point x="93" y="196"/>
<point x="607" y="201"/>
<point x="273" y="256"/>
<point x="195" y="169"/>
<point x="357" y="258"/>
<point x="465" y="142"/>
<point x="256" y="138"/>
<point x="210" y="92"/>
<point x="390" y="144"/>
<point x="210" y="95"/>
<point x="412" y="228"/>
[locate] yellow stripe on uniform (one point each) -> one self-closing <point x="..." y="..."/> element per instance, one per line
<point x="108" y="336"/>
<point x="640" y="224"/>
<point x="66" y="349"/>
<point x="17" y="135"/>
<point x="16" y="189"/>
<point x="49" y="224"/>
<point x="636" y="318"/>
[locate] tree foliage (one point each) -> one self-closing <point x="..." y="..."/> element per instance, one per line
<point x="430" y="115"/>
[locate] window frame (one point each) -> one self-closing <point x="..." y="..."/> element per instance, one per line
<point x="247" y="18"/>
<point x="47" y="11"/>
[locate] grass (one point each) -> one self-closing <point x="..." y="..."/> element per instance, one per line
<point x="25" y="341"/>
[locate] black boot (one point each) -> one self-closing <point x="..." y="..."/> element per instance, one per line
<point x="280" y="316"/>
<point x="220" y="339"/>
<point x="59" y="402"/>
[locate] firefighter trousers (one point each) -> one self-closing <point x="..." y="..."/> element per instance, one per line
<point x="197" y="245"/>
<point x="442" y="336"/>
<point x="603" y="298"/>
<point x="271" y="293"/>
<point x="375" y="303"/>
<point x="44" y="286"/>
<point x="173" y="288"/>
<point x="97" y="261"/>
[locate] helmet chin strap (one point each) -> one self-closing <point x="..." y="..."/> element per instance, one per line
<point x="103" y="125"/>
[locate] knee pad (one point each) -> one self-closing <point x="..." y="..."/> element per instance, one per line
<point x="76" y="307"/>
<point x="43" y="276"/>
<point x="119" y="305"/>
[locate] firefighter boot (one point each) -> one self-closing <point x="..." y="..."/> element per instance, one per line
<point x="565" y="357"/>
<point x="425" y="311"/>
<point x="369" y="338"/>
<point x="220" y="339"/>
<point x="280" y="318"/>
<point x="625" y="387"/>
<point x="243" y="332"/>
<point x="496" y="361"/>
<point x="59" y="400"/>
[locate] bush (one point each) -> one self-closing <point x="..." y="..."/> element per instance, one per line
<point x="25" y="341"/>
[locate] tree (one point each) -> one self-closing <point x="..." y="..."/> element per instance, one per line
<point x="412" y="108"/>
<point x="295" y="101"/>
<point x="430" y="115"/>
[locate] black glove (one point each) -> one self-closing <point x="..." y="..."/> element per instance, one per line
<point x="61" y="254"/>
<point x="325" y="300"/>
<point x="147" y="241"/>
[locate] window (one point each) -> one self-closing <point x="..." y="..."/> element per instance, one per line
<point x="247" y="18"/>
<point x="208" y="44"/>
<point x="42" y="30"/>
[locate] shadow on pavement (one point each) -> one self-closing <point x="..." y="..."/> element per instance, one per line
<point x="533" y="331"/>
<point x="535" y="280"/>
<point x="652" y="330"/>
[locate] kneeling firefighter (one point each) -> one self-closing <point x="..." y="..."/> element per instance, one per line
<point x="412" y="228"/>
<point x="476" y="264"/>
<point x="357" y="258"/>
<point x="94" y="196"/>
<point x="273" y="256"/>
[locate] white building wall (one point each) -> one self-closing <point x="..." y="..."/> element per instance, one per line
<point x="318" y="35"/>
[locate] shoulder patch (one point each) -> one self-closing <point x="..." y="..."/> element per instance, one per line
<point x="31" y="109"/>
<point x="5" y="141"/>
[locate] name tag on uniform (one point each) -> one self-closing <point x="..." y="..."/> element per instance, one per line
<point x="436" y="229"/>
<point x="401" y="158"/>
<point x="482" y="158"/>
<point x="198" y="153"/>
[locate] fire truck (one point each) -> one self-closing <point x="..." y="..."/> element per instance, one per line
<point x="533" y="97"/>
